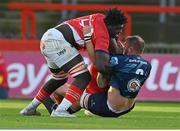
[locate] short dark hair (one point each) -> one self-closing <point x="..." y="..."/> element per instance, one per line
<point x="115" y="17"/>
<point x="137" y="42"/>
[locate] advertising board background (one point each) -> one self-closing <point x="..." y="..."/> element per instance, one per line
<point x="27" y="72"/>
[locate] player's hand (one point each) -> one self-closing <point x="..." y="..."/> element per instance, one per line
<point x="87" y="32"/>
<point x="102" y="80"/>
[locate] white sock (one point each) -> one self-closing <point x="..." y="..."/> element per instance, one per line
<point x="34" y="104"/>
<point x="65" y="104"/>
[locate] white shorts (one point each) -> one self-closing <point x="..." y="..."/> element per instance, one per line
<point x="56" y="49"/>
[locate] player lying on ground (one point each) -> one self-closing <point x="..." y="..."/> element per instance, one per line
<point x="129" y="72"/>
<point x="60" y="47"/>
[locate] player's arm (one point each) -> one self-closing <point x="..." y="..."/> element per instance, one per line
<point x="88" y="31"/>
<point x="100" y="58"/>
<point x="102" y="80"/>
<point x="90" y="50"/>
<point x="116" y="46"/>
<point x="101" y="62"/>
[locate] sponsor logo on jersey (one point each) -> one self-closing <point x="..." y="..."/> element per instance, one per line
<point x="114" y="60"/>
<point x="133" y="85"/>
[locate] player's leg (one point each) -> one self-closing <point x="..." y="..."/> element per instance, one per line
<point x="49" y="87"/>
<point x="50" y="46"/>
<point x="78" y="70"/>
<point x="49" y="104"/>
<point x="117" y="102"/>
<point x="58" y="79"/>
<point x="98" y="104"/>
<point x="52" y="103"/>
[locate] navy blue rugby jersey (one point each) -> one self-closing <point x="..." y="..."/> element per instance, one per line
<point x="129" y="72"/>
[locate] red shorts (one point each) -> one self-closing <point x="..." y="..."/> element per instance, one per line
<point x="92" y="87"/>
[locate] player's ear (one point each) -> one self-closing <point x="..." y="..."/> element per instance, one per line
<point x="130" y="50"/>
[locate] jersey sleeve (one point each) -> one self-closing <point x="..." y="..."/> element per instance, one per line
<point x="101" y="36"/>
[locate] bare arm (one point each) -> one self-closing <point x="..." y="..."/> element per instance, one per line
<point x="102" y="81"/>
<point x="88" y="31"/>
<point x="102" y="62"/>
<point x="115" y="46"/>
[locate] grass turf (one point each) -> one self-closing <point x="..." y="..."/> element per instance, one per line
<point x="145" y="115"/>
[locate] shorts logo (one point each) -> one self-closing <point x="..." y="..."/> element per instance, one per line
<point x="133" y="85"/>
<point x="61" y="52"/>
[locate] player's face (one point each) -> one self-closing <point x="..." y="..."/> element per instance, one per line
<point x="114" y="30"/>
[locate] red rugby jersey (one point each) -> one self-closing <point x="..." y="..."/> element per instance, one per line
<point x="100" y="37"/>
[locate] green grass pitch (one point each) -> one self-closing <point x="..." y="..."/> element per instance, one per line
<point x="145" y="115"/>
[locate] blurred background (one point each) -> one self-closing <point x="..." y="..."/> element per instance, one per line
<point x="23" y="22"/>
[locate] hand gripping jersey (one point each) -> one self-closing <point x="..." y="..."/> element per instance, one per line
<point x="129" y="72"/>
<point x="100" y="37"/>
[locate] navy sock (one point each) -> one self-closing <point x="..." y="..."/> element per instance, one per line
<point x="49" y="103"/>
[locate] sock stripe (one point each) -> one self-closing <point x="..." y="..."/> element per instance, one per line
<point x="70" y="97"/>
<point x="42" y="94"/>
<point x="73" y="93"/>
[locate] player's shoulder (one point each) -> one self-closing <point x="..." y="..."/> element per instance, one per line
<point x="98" y="17"/>
<point x="116" y="59"/>
<point x="128" y="58"/>
<point x="147" y="63"/>
<point x="120" y="57"/>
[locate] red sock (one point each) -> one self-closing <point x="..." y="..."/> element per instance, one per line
<point x="73" y="93"/>
<point x="41" y="95"/>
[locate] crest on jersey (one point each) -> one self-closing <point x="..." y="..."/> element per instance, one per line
<point x="133" y="85"/>
<point x="114" y="60"/>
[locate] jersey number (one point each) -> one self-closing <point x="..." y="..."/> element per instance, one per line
<point x="86" y="21"/>
<point x="139" y="72"/>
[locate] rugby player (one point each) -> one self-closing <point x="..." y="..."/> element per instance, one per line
<point x="60" y="46"/>
<point x="128" y="74"/>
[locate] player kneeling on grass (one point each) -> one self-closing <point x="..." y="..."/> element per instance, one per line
<point x="128" y="73"/>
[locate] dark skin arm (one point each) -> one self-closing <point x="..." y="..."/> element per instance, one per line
<point x="102" y="58"/>
<point x="101" y="62"/>
<point x="115" y="46"/>
<point x="102" y="78"/>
